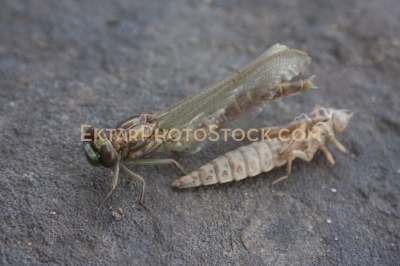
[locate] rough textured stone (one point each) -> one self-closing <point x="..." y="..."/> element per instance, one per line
<point x="67" y="63"/>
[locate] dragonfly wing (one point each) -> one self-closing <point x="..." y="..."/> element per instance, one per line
<point x="170" y="112"/>
<point x="240" y="122"/>
<point x="244" y="92"/>
<point x="234" y="111"/>
<point x="194" y="102"/>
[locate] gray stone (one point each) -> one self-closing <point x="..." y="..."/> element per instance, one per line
<point x="67" y="63"/>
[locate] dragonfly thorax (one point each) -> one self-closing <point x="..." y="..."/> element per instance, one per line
<point x="137" y="138"/>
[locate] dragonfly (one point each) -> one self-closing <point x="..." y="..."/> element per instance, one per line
<point x="234" y="100"/>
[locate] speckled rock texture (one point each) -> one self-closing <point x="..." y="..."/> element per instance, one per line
<point x="67" y="63"/>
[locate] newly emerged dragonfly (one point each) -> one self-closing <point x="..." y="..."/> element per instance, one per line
<point x="234" y="100"/>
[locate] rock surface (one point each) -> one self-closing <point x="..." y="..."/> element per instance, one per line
<point x="67" y="63"/>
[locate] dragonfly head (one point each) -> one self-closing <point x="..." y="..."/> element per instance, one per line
<point x="340" y="119"/>
<point x="99" y="150"/>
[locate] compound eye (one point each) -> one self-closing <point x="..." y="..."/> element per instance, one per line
<point x="91" y="155"/>
<point x="108" y="156"/>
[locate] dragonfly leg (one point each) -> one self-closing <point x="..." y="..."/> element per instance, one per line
<point x="327" y="154"/>
<point x="288" y="171"/>
<point x="293" y="155"/>
<point x="158" y="162"/>
<point x="114" y="183"/>
<point x="301" y="155"/>
<point x="130" y="173"/>
<point x="337" y="144"/>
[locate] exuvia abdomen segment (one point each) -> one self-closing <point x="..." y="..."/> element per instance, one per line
<point x="246" y="161"/>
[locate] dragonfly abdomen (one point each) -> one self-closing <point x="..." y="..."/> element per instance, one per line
<point x="292" y="87"/>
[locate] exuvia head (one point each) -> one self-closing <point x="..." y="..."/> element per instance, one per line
<point x="340" y="119"/>
<point x="99" y="150"/>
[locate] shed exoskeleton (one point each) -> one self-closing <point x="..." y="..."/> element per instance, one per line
<point x="263" y="156"/>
